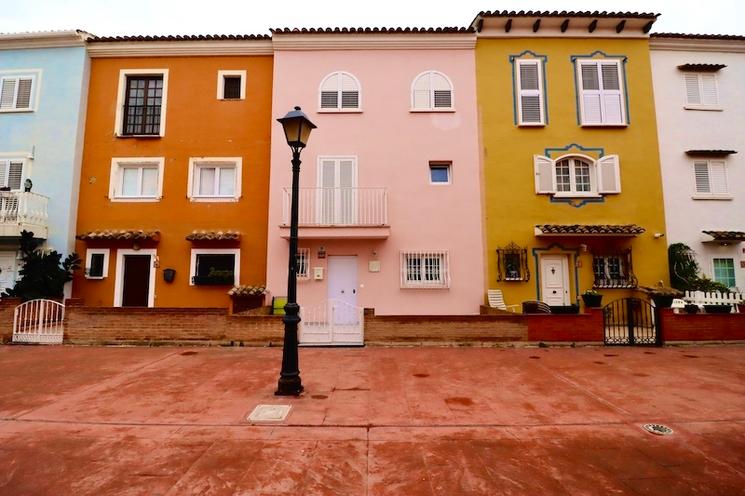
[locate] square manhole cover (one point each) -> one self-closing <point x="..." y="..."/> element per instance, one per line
<point x="269" y="413"/>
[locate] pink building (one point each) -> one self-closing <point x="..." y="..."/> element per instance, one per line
<point x="390" y="199"/>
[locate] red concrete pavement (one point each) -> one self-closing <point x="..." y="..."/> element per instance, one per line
<point x="378" y="421"/>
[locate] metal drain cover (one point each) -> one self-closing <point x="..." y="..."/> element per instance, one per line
<point x="659" y="429"/>
<point x="269" y="413"/>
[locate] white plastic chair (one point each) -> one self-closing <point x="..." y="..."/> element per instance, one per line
<point x="496" y="300"/>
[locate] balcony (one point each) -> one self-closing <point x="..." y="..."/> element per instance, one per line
<point x="23" y="211"/>
<point x="325" y="213"/>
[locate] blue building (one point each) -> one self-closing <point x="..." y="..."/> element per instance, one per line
<point x="43" y="94"/>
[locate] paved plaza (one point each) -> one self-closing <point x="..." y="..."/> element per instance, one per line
<point x="377" y="421"/>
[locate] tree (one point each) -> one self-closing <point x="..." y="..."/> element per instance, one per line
<point x="44" y="273"/>
<point x="685" y="272"/>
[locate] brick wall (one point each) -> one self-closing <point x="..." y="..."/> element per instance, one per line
<point x="7" y="307"/>
<point x="702" y="327"/>
<point x="442" y="328"/>
<point x="583" y="327"/>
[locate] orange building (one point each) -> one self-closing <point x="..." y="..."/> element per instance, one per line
<point x="175" y="175"/>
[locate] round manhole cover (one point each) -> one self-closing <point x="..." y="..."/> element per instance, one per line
<point x="659" y="429"/>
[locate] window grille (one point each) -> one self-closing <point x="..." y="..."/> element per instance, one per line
<point x="512" y="263"/>
<point x="613" y="270"/>
<point x="425" y="269"/>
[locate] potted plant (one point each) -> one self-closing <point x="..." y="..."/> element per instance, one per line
<point x="691" y="308"/>
<point x="592" y="298"/>
<point x="662" y="296"/>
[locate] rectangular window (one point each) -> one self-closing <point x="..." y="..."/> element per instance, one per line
<point x="215" y="267"/>
<point x="142" y="105"/>
<point x="710" y="178"/>
<point x="425" y="270"/>
<point x="439" y="173"/>
<point x="97" y="263"/>
<point x="214" y="178"/>
<point x="701" y="90"/>
<point x="11" y="174"/>
<point x="531" y="107"/>
<point x="17" y="92"/>
<point x="136" y="179"/>
<point x="613" y="270"/>
<point x="601" y="92"/>
<point x="303" y="263"/>
<point x="231" y="85"/>
<point x="724" y="271"/>
<point x="512" y="263"/>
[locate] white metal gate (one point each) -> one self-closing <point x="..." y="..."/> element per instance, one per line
<point x="332" y="323"/>
<point x="39" y="321"/>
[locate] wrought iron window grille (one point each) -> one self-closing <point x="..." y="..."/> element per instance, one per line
<point x="613" y="270"/>
<point x="512" y="263"/>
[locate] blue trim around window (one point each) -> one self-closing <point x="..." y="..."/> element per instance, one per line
<point x="544" y="60"/>
<point x="574" y="254"/>
<point x="623" y="59"/>
<point x="575" y="202"/>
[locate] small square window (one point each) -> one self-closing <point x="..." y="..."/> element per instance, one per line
<point x="232" y="87"/>
<point x="439" y="173"/>
<point x="97" y="263"/>
<point x="724" y="271"/>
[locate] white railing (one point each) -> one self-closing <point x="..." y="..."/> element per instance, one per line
<point x="39" y="321"/>
<point x="333" y="322"/>
<point x="338" y="206"/>
<point x="23" y="208"/>
<point x="714" y="298"/>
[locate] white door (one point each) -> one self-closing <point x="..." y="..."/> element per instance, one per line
<point x="555" y="280"/>
<point x="7" y="270"/>
<point x="342" y="289"/>
<point x="337" y="180"/>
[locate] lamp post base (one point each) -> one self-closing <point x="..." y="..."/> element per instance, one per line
<point x="289" y="386"/>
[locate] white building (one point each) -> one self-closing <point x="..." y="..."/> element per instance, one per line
<point x="699" y="85"/>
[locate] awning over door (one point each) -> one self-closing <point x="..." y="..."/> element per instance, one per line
<point x="588" y="230"/>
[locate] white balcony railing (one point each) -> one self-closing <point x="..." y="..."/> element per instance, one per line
<point x="19" y="208"/>
<point x="338" y="207"/>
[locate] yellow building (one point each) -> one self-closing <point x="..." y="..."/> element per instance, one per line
<point x="572" y="186"/>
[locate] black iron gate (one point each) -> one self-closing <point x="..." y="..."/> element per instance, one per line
<point x="630" y="321"/>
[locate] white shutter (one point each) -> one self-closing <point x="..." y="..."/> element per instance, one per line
<point x="420" y="98"/>
<point x="709" y="89"/>
<point x="609" y="174"/>
<point x="529" y="90"/>
<point x="330" y="91"/>
<point x="718" y="177"/>
<point x="601" y="92"/>
<point x="15" y="175"/>
<point x="8" y="93"/>
<point x="3" y="173"/>
<point x="612" y="98"/>
<point x="701" y="176"/>
<point x="441" y="91"/>
<point x="350" y="96"/>
<point x="693" y="93"/>
<point x="590" y="91"/>
<point x="23" y="100"/>
<point x="545" y="182"/>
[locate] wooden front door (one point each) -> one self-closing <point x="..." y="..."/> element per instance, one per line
<point x="555" y="280"/>
<point x="136" y="286"/>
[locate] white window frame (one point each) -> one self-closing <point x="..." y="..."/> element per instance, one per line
<point x="540" y="92"/>
<point x="596" y="176"/>
<point x="116" y="177"/>
<point x="443" y="283"/>
<point x="25" y="168"/>
<point x="440" y="163"/>
<point x="432" y="107"/>
<point x="216" y="251"/>
<point x="221" y="83"/>
<point x="122" y="91"/>
<point x="339" y="109"/>
<point x="621" y="89"/>
<point x="106" y="252"/>
<point x="717" y="107"/>
<point x="304" y="252"/>
<point x="35" y="75"/>
<point x="734" y="268"/>
<point x="119" y="278"/>
<point x="573" y="192"/>
<point x="711" y="196"/>
<point x="195" y="162"/>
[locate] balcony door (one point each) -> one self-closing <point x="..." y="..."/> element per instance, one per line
<point x="337" y="192"/>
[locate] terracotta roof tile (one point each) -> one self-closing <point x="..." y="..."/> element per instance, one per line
<point x="188" y="37"/>
<point x="709" y="153"/>
<point x="227" y="235"/>
<point x="383" y="30"/>
<point x="591" y="229"/>
<point x="120" y="235"/>
<point x="726" y="235"/>
<point x="701" y="67"/>
<point x="565" y="13"/>
<point x="699" y="36"/>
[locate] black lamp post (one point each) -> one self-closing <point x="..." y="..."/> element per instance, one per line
<point x="297" y="130"/>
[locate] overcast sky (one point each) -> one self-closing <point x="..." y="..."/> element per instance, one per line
<point x="118" y="17"/>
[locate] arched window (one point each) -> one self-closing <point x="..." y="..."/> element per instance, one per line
<point x="577" y="175"/>
<point x="431" y="90"/>
<point x="339" y="91"/>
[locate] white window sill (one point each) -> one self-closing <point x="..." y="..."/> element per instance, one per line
<point x="424" y="286"/>
<point x="602" y="124"/>
<point x="339" y="111"/>
<point x="15" y="110"/>
<point x="531" y="124"/>
<point x="95" y="278"/>
<point x="443" y="183"/>
<point x="214" y="199"/>
<point x="135" y="199"/>
<point x="230" y="99"/>
<point x="430" y="110"/>
<point x="711" y="108"/>
<point x="576" y="195"/>
<point x="146" y="136"/>
<point x="712" y="197"/>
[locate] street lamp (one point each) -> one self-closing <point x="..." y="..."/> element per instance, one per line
<point x="297" y="130"/>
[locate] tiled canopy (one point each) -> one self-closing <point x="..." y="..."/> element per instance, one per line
<point x="588" y="230"/>
<point x="120" y="235"/>
<point x="728" y="236"/>
<point x="214" y="235"/>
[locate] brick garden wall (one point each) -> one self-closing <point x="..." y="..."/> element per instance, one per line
<point x="583" y="327"/>
<point x="7" y="307"/>
<point x="443" y="328"/>
<point x="702" y="327"/>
